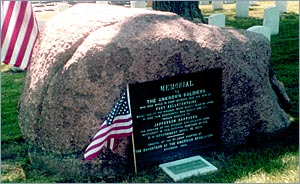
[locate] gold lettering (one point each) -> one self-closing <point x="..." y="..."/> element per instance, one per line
<point x="175" y="86"/>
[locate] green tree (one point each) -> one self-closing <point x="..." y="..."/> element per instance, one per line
<point x="187" y="9"/>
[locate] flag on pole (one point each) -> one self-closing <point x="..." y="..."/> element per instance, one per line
<point x="117" y="125"/>
<point x="19" y="31"/>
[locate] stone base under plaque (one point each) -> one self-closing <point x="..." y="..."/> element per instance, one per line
<point x="187" y="167"/>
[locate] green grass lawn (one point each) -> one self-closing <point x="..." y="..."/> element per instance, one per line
<point x="273" y="160"/>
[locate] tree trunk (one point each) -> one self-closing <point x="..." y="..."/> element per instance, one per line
<point x="187" y="9"/>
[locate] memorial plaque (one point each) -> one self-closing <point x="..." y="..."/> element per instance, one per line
<point x="176" y="117"/>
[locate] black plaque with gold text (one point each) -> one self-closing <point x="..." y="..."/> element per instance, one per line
<point x="176" y="117"/>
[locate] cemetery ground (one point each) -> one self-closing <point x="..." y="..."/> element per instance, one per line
<point x="271" y="159"/>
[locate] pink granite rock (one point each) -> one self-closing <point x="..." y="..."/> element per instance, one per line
<point x="87" y="54"/>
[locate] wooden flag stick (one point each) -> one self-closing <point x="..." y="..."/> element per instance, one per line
<point x="134" y="157"/>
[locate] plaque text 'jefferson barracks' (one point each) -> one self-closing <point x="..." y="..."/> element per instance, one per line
<point x="175" y="117"/>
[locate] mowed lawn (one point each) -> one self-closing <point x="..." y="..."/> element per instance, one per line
<point x="273" y="160"/>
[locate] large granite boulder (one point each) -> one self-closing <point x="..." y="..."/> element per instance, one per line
<point x="87" y="54"/>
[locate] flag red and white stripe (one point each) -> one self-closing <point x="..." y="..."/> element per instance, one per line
<point x="117" y="125"/>
<point x="19" y="31"/>
<point x="106" y="137"/>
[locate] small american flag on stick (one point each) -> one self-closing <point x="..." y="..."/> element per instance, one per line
<point x="19" y="31"/>
<point x="117" y="125"/>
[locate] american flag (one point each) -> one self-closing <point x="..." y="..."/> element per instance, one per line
<point x="19" y="31"/>
<point x="118" y="124"/>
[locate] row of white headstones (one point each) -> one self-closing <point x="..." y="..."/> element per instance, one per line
<point x="271" y="15"/>
<point x="270" y="22"/>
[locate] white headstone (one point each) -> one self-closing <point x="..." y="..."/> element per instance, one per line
<point x="204" y="2"/>
<point x="271" y="19"/>
<point x="217" y="20"/>
<point x="252" y="3"/>
<point x="62" y="7"/>
<point x="242" y="8"/>
<point x="217" y="5"/>
<point x="229" y="1"/>
<point x="262" y="30"/>
<point x="41" y="23"/>
<point x="282" y="6"/>
<point x="137" y="4"/>
<point x="101" y="2"/>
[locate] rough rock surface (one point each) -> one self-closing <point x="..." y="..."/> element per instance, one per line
<point x="83" y="60"/>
